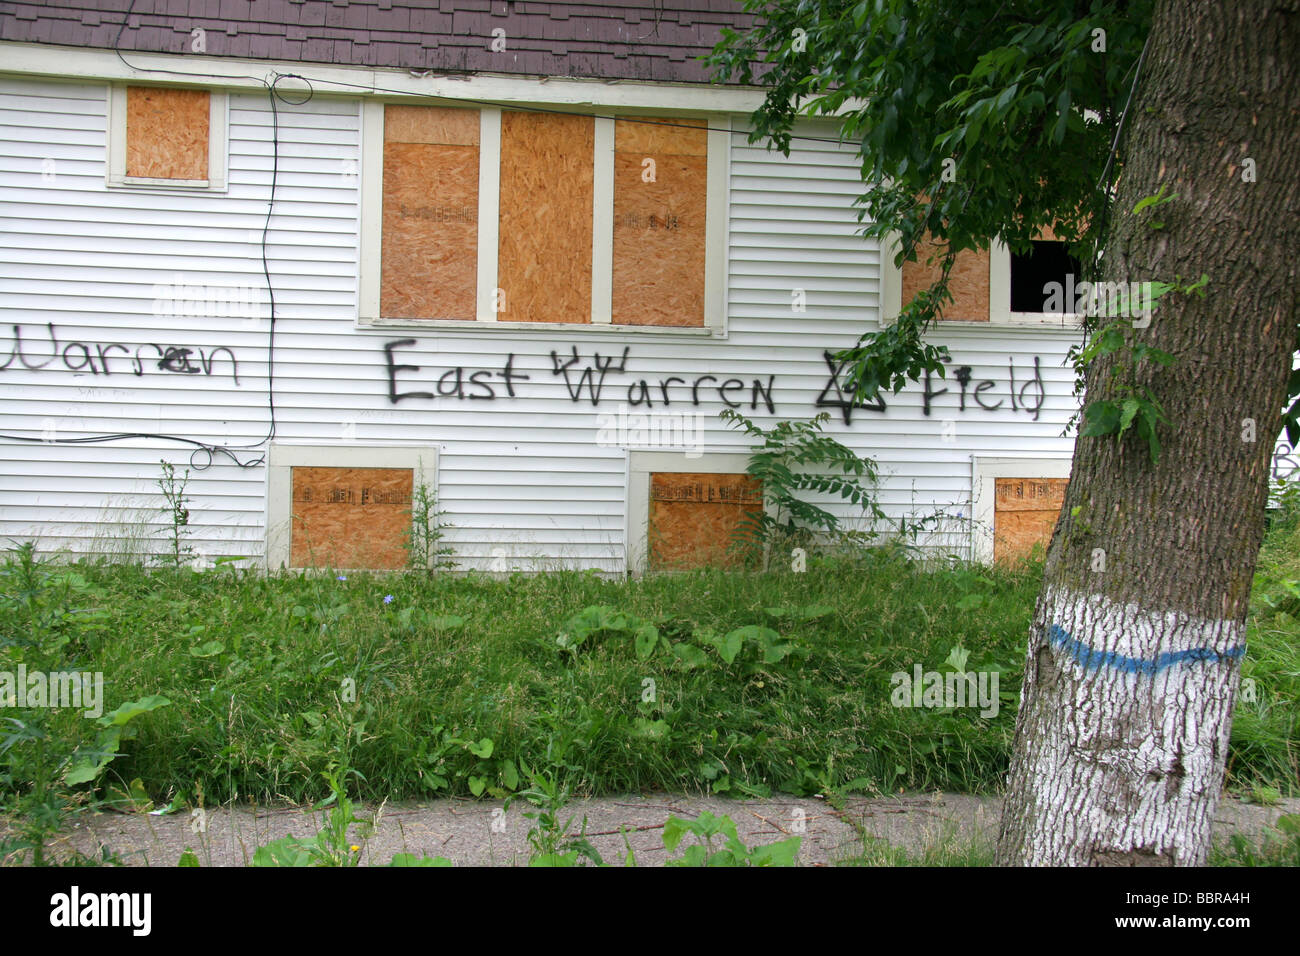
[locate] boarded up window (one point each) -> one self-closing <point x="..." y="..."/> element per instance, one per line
<point x="350" y="517"/>
<point x="1025" y="513"/>
<point x="694" y="517"/>
<point x="547" y="181"/>
<point x="660" y="186"/>
<point x="167" y="133"/>
<point x="968" y="282"/>
<point x="430" y="220"/>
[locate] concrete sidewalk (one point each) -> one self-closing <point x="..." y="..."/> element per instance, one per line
<point x="479" y="833"/>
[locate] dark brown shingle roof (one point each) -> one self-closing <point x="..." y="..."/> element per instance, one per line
<point x="634" y="40"/>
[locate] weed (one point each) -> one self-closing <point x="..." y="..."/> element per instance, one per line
<point x="177" y="513"/>
<point x="797" y="456"/>
<point x="424" y="549"/>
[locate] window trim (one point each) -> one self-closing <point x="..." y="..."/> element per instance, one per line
<point x="984" y="474"/>
<point x="370" y="264"/>
<point x="1000" y="314"/>
<point x="283" y="457"/>
<point x="640" y="465"/>
<point x="218" y="145"/>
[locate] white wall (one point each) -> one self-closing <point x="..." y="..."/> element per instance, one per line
<point x="525" y="475"/>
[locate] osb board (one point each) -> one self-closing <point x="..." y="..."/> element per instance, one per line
<point x="544" y="254"/>
<point x="1029" y="494"/>
<point x="968" y="281"/>
<point x="350" y="517"/>
<point x="1025" y="513"/>
<point x="1016" y="532"/>
<point x="673" y="137"/>
<point x="429" y="264"/>
<point x="167" y="133"/>
<point x="658" y="276"/>
<point x="693" y="517"/>
<point x="431" y="125"/>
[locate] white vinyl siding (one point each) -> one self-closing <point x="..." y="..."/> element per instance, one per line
<point x="522" y="479"/>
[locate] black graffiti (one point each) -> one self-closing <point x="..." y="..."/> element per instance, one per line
<point x="453" y="383"/>
<point x="854" y="400"/>
<point x="963" y="376"/>
<point x="1286" y="462"/>
<point x="98" y="358"/>
<point x="593" y="378"/>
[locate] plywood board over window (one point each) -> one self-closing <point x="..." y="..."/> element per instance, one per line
<point x="1025" y="513"/>
<point x="694" y="518"/>
<point x="167" y="133"/>
<point x="968" y="281"/>
<point x="660" y="206"/>
<point x="547" y="194"/>
<point x="430" y="218"/>
<point x="350" y="517"/>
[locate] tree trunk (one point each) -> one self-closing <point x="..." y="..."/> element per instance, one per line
<point x="1137" y="638"/>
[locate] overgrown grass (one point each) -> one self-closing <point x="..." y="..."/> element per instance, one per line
<point x="456" y="683"/>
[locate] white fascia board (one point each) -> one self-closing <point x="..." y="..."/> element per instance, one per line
<point x="75" y="63"/>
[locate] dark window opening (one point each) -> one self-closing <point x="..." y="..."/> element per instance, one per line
<point x="1048" y="262"/>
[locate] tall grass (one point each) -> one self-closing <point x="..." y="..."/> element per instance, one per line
<point x="274" y="678"/>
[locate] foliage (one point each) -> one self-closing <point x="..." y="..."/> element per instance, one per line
<point x="970" y="121"/>
<point x="177" y="513"/>
<point x="1279" y="846"/>
<point x="705" y="681"/>
<point x="49" y="752"/>
<point x="731" y="851"/>
<point x="798" y="456"/>
<point x="424" y="548"/>
<point x="1133" y="405"/>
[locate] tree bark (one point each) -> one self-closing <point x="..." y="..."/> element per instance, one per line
<point x="1136" y="644"/>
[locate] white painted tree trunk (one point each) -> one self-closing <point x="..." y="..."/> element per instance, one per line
<point x="1135" y="651"/>
<point x="1125" y="765"/>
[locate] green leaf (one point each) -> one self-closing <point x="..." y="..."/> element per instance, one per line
<point x="481" y="749"/>
<point x="287" y="851"/>
<point x="647" y="638"/>
<point x="477" y="785"/>
<point x="188" y="858"/>
<point x="510" y="774"/>
<point x="957" y="658"/>
<point x="729" y="645"/>
<point x="781" y="853"/>
<point x="208" y="649"/>
<point x="690" y="655"/>
<point x="132" y="709"/>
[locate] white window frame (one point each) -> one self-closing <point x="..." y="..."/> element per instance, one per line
<point x="1000" y="314"/>
<point x="602" y="237"/>
<point x="282" y="458"/>
<point x="984" y="475"/>
<point x="641" y="464"/>
<point x="218" y="146"/>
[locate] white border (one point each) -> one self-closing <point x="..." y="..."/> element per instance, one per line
<point x="1000" y="297"/>
<point x="640" y="465"/>
<point x="79" y="63"/>
<point x="999" y="305"/>
<point x="282" y="458"/>
<point x="218" y="146"/>
<point x="602" y="224"/>
<point x="717" y="206"/>
<point x="984" y="473"/>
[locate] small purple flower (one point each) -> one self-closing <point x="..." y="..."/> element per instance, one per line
<point x="342" y="577"/>
<point x="388" y="599"/>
